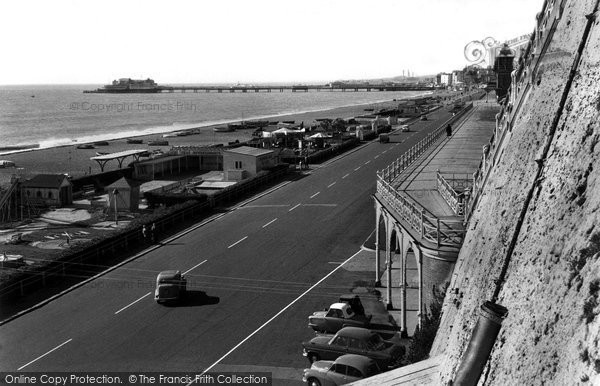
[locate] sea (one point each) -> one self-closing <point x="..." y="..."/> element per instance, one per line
<point x="50" y="115"/>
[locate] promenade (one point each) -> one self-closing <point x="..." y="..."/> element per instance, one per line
<point x="455" y="158"/>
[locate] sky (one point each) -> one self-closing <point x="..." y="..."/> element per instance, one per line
<point x="246" y="41"/>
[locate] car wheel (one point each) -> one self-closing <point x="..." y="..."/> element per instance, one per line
<point x="313" y="382"/>
<point x="312" y="358"/>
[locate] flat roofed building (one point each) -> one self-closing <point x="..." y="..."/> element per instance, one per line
<point x="245" y="161"/>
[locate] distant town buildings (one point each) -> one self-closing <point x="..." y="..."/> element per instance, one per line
<point x="484" y="59"/>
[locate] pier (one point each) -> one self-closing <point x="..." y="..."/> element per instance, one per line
<point x="281" y="88"/>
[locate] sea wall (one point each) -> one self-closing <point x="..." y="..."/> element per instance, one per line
<point x="533" y="240"/>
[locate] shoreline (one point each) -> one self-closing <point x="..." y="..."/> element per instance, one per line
<point x="159" y="130"/>
<point x="76" y="162"/>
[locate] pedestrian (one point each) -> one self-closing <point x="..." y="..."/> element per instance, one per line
<point x="448" y="130"/>
<point x="153" y="232"/>
<point x="144" y="233"/>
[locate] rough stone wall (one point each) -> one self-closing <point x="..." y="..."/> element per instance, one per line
<point x="551" y="334"/>
<point x="436" y="273"/>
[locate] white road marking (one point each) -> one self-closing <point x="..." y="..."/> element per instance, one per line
<point x="237" y="242"/>
<point x="377" y="156"/>
<point x="330" y="185"/>
<point x="276" y="315"/>
<point x="369" y="161"/>
<point x="355" y="169"/>
<point x="383" y="152"/>
<point x="347" y="174"/>
<point x="294" y="208"/>
<point x="43" y="355"/>
<point x="269" y="223"/>
<point x="264" y="206"/>
<point x="131" y="304"/>
<point x="319" y="205"/>
<point x="195" y="266"/>
<point x="315" y="195"/>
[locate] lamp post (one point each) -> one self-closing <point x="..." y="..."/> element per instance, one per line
<point x="115" y="194"/>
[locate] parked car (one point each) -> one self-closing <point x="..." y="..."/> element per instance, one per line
<point x="404" y="128"/>
<point x="345" y="369"/>
<point x="170" y="286"/>
<point x="354" y="340"/>
<point x="423" y="117"/>
<point x="338" y="315"/>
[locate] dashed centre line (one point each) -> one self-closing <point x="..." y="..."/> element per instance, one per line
<point x="270" y="222"/>
<point x="43" y="355"/>
<point x="355" y="169"/>
<point x="330" y="185"/>
<point x="237" y="242"/>
<point x="315" y="195"/>
<point x="346" y="175"/>
<point x="195" y="266"/>
<point x="132" y="303"/>
<point x="294" y="207"/>
<point x="377" y="156"/>
<point x="369" y="161"/>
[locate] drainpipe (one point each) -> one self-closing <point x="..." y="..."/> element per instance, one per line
<point x="481" y="343"/>
<point x="377" y="258"/>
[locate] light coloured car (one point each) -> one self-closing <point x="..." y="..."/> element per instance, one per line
<point x="404" y="128"/>
<point x="345" y="369"/>
<point x="355" y="340"/>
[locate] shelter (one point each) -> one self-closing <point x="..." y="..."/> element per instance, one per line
<point x="243" y="162"/>
<point x="119" y="156"/>
<point x="124" y="194"/>
<point x="48" y="190"/>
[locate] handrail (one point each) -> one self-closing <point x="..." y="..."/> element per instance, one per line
<point x="448" y="190"/>
<point x="431" y="228"/>
<point x="395" y="168"/>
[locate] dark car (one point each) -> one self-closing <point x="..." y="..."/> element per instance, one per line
<point x="354" y="340"/>
<point x="338" y="316"/>
<point x="170" y="286"/>
<point x="345" y="369"/>
<point x="423" y="117"/>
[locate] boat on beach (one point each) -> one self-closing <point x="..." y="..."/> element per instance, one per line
<point x="134" y="140"/>
<point x="224" y="129"/>
<point x="158" y="142"/>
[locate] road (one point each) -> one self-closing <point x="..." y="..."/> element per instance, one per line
<point x="255" y="275"/>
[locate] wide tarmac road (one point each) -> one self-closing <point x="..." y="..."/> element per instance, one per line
<point x="255" y="274"/>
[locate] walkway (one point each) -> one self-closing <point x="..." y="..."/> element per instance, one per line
<point x="420" y="218"/>
<point x="458" y="156"/>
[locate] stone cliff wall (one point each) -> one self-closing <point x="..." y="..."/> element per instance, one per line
<point x="534" y="238"/>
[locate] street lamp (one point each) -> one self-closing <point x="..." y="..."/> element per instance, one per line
<point x="115" y="194"/>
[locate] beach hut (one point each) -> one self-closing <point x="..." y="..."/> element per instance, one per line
<point x="123" y="195"/>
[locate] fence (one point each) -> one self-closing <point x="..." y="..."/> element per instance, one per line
<point x="453" y="190"/>
<point x="395" y="168"/>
